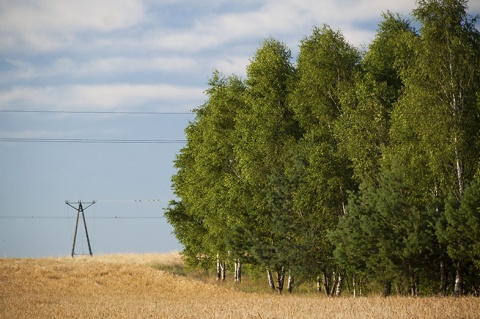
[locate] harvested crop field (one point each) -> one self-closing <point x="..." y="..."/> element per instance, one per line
<point x="128" y="286"/>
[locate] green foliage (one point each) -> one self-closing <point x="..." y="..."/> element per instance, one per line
<point x="265" y="129"/>
<point x="205" y="172"/>
<point x="384" y="235"/>
<point x="321" y="173"/>
<point x="459" y="228"/>
<point x="438" y="108"/>
<point x="363" y="128"/>
<point x="346" y="162"/>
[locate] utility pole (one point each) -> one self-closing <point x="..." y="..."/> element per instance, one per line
<point x="80" y="209"/>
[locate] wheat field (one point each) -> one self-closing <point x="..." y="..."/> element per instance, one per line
<point x="128" y="286"/>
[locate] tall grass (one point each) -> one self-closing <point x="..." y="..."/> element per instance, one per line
<point x="131" y="286"/>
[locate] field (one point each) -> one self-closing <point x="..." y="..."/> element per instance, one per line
<point x="131" y="286"/>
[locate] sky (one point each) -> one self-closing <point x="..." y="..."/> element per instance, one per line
<point x="95" y="96"/>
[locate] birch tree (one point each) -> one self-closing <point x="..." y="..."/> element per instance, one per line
<point x="265" y="129"/>
<point x="326" y="65"/>
<point x="438" y="116"/>
<point x="363" y="127"/>
<point x="205" y="169"/>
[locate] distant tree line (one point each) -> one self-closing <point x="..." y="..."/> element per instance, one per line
<point x="345" y="164"/>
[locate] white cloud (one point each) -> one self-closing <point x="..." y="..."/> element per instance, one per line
<point x="279" y="18"/>
<point x="55" y="24"/>
<point x="344" y="15"/>
<point x="163" y="97"/>
<point x="84" y="25"/>
<point x="212" y="30"/>
<point x="50" y="24"/>
<point x="51" y="15"/>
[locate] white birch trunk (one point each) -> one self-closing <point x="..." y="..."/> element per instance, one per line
<point x="354" y="286"/>
<point x="220" y="269"/>
<point x="333" y="285"/>
<point x="219" y="274"/>
<point x="319" y="284"/>
<point x="238" y="271"/>
<point x="360" y="287"/>
<point x="458" y="168"/>
<point x="290" y="283"/>
<point x="223" y="272"/>
<point x="270" y="279"/>
<point x="338" y="289"/>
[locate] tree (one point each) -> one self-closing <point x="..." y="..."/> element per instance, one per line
<point x="459" y="231"/>
<point x="435" y="122"/>
<point x="326" y="64"/>
<point x="348" y="163"/>
<point x="385" y="235"/>
<point x="205" y="172"/>
<point x="189" y="231"/>
<point x="363" y="127"/>
<point x="265" y="129"/>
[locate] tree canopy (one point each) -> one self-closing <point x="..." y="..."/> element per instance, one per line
<point x="344" y="163"/>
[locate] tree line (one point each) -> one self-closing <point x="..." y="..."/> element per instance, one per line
<point x="344" y="164"/>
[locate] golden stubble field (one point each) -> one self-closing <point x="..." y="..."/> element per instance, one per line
<point x="127" y="286"/>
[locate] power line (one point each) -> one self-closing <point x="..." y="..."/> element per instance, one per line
<point x="97" y="112"/>
<point x="88" y="217"/>
<point x="87" y="140"/>
<point x="138" y="200"/>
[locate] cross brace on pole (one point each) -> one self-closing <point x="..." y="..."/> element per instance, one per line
<point x="80" y="210"/>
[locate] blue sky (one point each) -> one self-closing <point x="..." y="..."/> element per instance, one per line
<point x="132" y="56"/>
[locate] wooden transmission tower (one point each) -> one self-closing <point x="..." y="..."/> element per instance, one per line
<point x="80" y="209"/>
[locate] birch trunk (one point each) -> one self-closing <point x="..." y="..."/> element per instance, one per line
<point x="223" y="271"/>
<point x="326" y="284"/>
<point x="319" y="284"/>
<point x="338" y="289"/>
<point x="457" y="113"/>
<point x="238" y="271"/>
<point x="458" y="288"/>
<point x="270" y="279"/>
<point x="354" y="286"/>
<point x="414" y="285"/>
<point x="280" y="280"/>
<point x="360" y="287"/>
<point x="413" y="281"/>
<point x="333" y="284"/>
<point x="220" y="269"/>
<point x="219" y="272"/>
<point x="291" y="281"/>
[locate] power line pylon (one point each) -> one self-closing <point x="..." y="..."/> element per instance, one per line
<point x="80" y="209"/>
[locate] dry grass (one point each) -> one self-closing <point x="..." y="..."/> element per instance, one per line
<point x="127" y="286"/>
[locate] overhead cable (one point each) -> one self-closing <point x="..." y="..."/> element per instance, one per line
<point x="98" y="112"/>
<point x="87" y="140"/>
<point x="88" y="217"/>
